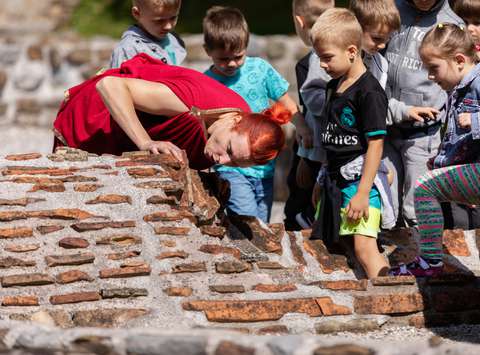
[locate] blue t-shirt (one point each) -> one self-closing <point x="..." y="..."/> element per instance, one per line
<point x="258" y="83"/>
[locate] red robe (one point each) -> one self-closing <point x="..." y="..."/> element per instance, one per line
<point x="84" y="121"/>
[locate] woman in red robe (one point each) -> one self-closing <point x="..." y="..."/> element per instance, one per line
<point x="149" y="105"/>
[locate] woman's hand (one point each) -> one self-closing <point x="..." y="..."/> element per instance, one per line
<point x="304" y="175"/>
<point x="157" y="147"/>
<point x="358" y="207"/>
<point x="465" y="120"/>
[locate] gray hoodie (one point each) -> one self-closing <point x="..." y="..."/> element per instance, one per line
<point x="408" y="84"/>
<point x="170" y="50"/>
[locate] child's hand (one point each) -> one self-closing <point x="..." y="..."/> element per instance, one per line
<point x="358" y="207"/>
<point x="317" y="190"/>
<point x="304" y="136"/>
<point x="422" y="114"/>
<point x="465" y="120"/>
<point x="304" y="175"/>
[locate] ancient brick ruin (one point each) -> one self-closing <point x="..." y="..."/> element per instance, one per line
<point x="134" y="241"/>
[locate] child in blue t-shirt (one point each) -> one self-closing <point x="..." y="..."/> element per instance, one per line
<point x="226" y="38"/>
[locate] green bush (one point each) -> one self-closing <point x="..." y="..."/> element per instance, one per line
<point x="112" y="17"/>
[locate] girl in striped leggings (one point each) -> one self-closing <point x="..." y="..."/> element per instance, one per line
<point x="448" y="52"/>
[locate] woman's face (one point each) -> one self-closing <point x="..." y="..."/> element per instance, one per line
<point x="226" y="146"/>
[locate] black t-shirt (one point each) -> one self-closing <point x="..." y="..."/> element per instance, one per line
<point x="351" y="117"/>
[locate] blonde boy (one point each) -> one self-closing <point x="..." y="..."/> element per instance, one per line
<point x="353" y="129"/>
<point x="152" y="34"/>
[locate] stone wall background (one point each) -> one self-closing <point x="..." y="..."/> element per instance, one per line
<point x="39" y="60"/>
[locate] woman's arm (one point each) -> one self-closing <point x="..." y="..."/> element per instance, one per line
<point x="304" y="134"/>
<point x="122" y="96"/>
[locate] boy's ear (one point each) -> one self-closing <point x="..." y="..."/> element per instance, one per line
<point x="353" y="51"/>
<point x="135" y="12"/>
<point x="300" y="20"/>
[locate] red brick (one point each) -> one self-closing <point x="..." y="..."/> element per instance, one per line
<point x="179" y="231"/>
<point x="121" y="240"/>
<point x="20" y="301"/>
<point x="178" y="291"/>
<point x="160" y="200"/>
<point x="24" y="248"/>
<point x="393" y="280"/>
<point x="343" y="349"/>
<point x="168" y="243"/>
<point x="49" y="229"/>
<point x="170" y="188"/>
<point x="16" y="232"/>
<point x="153" y="159"/>
<point x="265" y="310"/>
<point x="230" y="348"/>
<point x="296" y="250"/>
<point x="213" y="231"/>
<point x="172" y="254"/>
<point x="328" y="262"/>
<point x="147" y="172"/>
<point x="73" y="276"/>
<point x="26" y="280"/>
<point x="389" y="304"/>
<point x="123" y="255"/>
<point x="263" y="238"/>
<point x="9" y="262"/>
<point x="232" y="267"/>
<point x="73" y="243"/>
<point x="125" y="272"/>
<point x="273" y="329"/>
<point x="190" y="267"/>
<point x="171" y="216"/>
<point x="67" y="214"/>
<point x="56" y="187"/>
<point x="76" y="297"/>
<point x="22" y="157"/>
<point x="94" y="226"/>
<point x="274" y="288"/>
<point x="73" y="259"/>
<point x="216" y="249"/>
<point x="42" y="180"/>
<point x="133" y="263"/>
<point x="342" y="285"/>
<point x="20" y="201"/>
<point x="227" y="288"/>
<point x="269" y="265"/>
<point x="110" y="199"/>
<point x="454" y="243"/>
<point x="87" y="187"/>
<point x="33" y="170"/>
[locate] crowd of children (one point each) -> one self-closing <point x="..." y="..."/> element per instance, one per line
<point x="388" y="130"/>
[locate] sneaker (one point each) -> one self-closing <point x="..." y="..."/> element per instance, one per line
<point x="418" y="268"/>
<point x="303" y="220"/>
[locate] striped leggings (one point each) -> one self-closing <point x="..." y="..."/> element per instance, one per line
<point x="458" y="183"/>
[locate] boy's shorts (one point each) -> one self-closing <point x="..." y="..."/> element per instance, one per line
<point x="369" y="227"/>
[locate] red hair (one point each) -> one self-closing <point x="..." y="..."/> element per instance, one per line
<point x="264" y="132"/>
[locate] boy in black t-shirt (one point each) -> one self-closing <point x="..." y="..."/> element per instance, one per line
<point x="354" y="126"/>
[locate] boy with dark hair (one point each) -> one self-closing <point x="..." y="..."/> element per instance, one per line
<point x="226" y="38"/>
<point x="152" y="34"/>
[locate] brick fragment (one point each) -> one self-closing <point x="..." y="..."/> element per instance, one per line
<point x="125" y="272"/>
<point x="454" y="243"/>
<point x="133" y="263"/>
<point x="358" y="325"/>
<point x="73" y="259"/>
<point x="342" y="285"/>
<point x="227" y="288"/>
<point x="107" y="318"/>
<point x="213" y="231"/>
<point x="139" y="173"/>
<point x="34" y="170"/>
<point x="274" y="288"/>
<point x="328" y="262"/>
<point x="119" y="239"/>
<point x="230" y="348"/>
<point x="263" y="238"/>
<point x="124" y="293"/>
<point x="153" y="159"/>
<point x="265" y="310"/>
<point x="20" y="201"/>
<point x="168" y="243"/>
<point x="269" y="265"/>
<point x="20" y="301"/>
<point x="87" y="187"/>
<point x="160" y="200"/>
<point x="171" y="216"/>
<point x="217" y="249"/>
<point x="22" y="157"/>
<point x="170" y="188"/>
<point x="172" y="254"/>
<point x="49" y="229"/>
<point x="273" y="329"/>
<point x="170" y="230"/>
<point x="9" y="262"/>
<point x="393" y="280"/>
<point x="178" y="291"/>
<point x="343" y="349"/>
<point x="42" y="180"/>
<point x="16" y="232"/>
<point x="189" y="267"/>
<point x="75" y="297"/>
<point x="26" y="280"/>
<point x="73" y="276"/>
<point x="21" y="248"/>
<point x="94" y="226"/>
<point x="123" y="255"/>
<point x="110" y="199"/>
<point x="73" y="243"/>
<point x="389" y="304"/>
<point x="66" y="214"/>
<point x="232" y="267"/>
<point x="55" y="187"/>
<point x="296" y="250"/>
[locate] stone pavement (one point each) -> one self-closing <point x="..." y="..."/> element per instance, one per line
<point x="136" y="242"/>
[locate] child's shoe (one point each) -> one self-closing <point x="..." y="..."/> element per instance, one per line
<point x="418" y="268"/>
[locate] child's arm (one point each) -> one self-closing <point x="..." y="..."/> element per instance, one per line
<point x="359" y="204"/>
<point x="398" y="112"/>
<point x="303" y="132"/>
